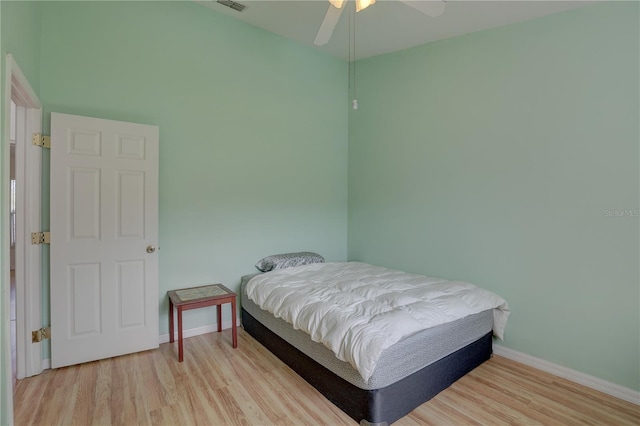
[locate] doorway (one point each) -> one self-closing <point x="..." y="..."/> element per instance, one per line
<point x="21" y="181"/>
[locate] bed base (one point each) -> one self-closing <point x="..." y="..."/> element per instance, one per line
<point x="377" y="407"/>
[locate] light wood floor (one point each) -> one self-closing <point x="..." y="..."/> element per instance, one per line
<point x="216" y="385"/>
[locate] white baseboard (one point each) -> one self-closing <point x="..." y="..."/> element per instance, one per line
<point x="603" y="386"/>
<point x="164" y="338"/>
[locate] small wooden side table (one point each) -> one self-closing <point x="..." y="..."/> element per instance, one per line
<point x="199" y="297"/>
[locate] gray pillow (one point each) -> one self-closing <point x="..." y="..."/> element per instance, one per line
<point x="288" y="260"/>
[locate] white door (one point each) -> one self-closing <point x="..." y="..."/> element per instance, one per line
<point x="104" y="229"/>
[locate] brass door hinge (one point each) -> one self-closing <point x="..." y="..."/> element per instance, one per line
<point x="40" y="238"/>
<point x="40" y="335"/>
<point x="40" y="140"/>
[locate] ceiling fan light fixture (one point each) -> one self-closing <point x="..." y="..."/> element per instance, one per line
<point x="363" y="4"/>
<point x="337" y="3"/>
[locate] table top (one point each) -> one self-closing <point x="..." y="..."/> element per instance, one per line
<point x="197" y="294"/>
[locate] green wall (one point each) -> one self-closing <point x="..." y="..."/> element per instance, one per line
<point x="509" y="158"/>
<point x="253" y="130"/>
<point x="492" y="157"/>
<point x="20" y="36"/>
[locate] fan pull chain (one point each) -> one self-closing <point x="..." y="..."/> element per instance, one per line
<point x="349" y="48"/>
<point x="354" y="102"/>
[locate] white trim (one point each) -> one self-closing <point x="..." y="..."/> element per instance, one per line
<point x="191" y="332"/>
<point x="21" y="272"/>
<point x="164" y="338"/>
<point x="603" y="386"/>
<point x="28" y="257"/>
<point x="20" y="90"/>
<point x="5" y="262"/>
<point x="29" y="292"/>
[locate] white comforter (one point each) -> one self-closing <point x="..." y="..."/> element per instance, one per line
<point x="358" y="310"/>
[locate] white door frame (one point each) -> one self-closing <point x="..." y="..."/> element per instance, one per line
<point x="28" y="257"/>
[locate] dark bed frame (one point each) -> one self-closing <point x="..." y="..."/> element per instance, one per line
<point x="378" y="406"/>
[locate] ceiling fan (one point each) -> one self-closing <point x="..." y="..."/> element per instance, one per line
<point x="431" y="8"/>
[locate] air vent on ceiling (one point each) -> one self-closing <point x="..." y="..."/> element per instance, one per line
<point x="233" y="5"/>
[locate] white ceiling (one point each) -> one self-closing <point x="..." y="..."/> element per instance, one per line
<point x="388" y="25"/>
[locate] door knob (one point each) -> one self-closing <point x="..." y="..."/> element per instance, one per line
<point x="151" y="249"/>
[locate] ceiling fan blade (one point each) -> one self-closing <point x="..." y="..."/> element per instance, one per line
<point x="431" y="8"/>
<point x="328" y="25"/>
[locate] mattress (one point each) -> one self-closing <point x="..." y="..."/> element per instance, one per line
<point x="398" y="361"/>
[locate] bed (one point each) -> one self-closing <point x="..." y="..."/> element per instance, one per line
<point x="379" y="376"/>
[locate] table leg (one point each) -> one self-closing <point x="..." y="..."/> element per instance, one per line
<point x="180" y="353"/>
<point x="170" y="321"/>
<point x="233" y="323"/>
<point x="219" y="312"/>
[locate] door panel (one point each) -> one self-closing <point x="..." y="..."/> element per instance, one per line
<point x="104" y="213"/>
<point x="84" y="291"/>
<point x="130" y="202"/>
<point x="84" y="204"/>
<point x="131" y="293"/>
